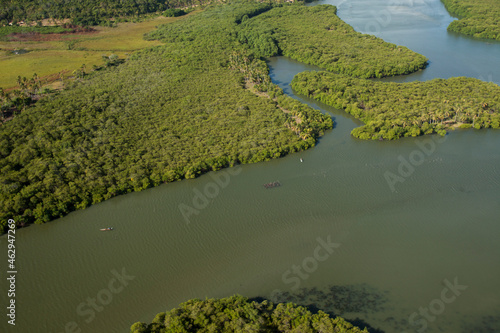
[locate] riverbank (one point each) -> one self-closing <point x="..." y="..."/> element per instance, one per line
<point x="244" y="238"/>
<point x="394" y="110"/>
<point x="103" y="144"/>
<point x="477" y="18"/>
<point x="237" y="314"/>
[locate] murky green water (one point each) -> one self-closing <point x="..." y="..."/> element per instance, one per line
<point x="393" y="249"/>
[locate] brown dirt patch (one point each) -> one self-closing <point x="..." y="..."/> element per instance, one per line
<point x="38" y="37"/>
<point x="46" y="23"/>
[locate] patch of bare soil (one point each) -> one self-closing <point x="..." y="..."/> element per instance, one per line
<point x="38" y="37"/>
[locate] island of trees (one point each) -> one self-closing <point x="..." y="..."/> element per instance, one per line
<point x="393" y="110"/>
<point x="315" y="35"/>
<point x="238" y="314"/>
<point x="478" y="18"/>
<point x="200" y="102"/>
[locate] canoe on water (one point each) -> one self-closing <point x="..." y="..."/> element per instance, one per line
<point x="106" y="229"/>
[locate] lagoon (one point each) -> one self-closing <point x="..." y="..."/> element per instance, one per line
<point x="427" y="243"/>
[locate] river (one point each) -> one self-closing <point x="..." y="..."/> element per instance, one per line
<point x="340" y="232"/>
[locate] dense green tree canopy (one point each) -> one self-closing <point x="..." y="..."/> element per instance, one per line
<point x="315" y="35"/>
<point x="238" y="314"/>
<point x="478" y="18"/>
<point x="84" y="12"/>
<point x="201" y="102"/>
<point x="168" y="113"/>
<point x="393" y="110"/>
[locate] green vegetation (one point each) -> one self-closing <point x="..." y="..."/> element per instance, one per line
<point x="170" y="112"/>
<point x="200" y="102"/>
<point x="478" y="18"/>
<point x="126" y="37"/>
<point x="7" y="30"/>
<point x="29" y="91"/>
<point x="50" y="55"/>
<point x="54" y="62"/>
<point x="84" y="12"/>
<point x="315" y="35"/>
<point x="174" y="12"/>
<point x="17" y="100"/>
<point x="394" y="110"/>
<point x="238" y="314"/>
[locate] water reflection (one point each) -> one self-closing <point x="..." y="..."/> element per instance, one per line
<point x="421" y="26"/>
<point x="20" y="51"/>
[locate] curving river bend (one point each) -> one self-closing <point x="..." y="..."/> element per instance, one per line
<point x="423" y="251"/>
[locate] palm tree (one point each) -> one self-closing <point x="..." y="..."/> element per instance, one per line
<point x="434" y="119"/>
<point x="447" y="113"/>
<point x="424" y="118"/>
<point x="441" y="117"/>
<point x="3" y="98"/>
<point x="22" y="83"/>
<point x="468" y="114"/>
<point x="457" y="113"/>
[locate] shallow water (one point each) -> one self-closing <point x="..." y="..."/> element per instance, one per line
<point x="393" y="250"/>
<point x="421" y="26"/>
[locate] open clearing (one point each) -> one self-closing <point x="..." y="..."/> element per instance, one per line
<point x="67" y="52"/>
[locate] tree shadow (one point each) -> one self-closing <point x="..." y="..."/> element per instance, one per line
<point x="336" y="301"/>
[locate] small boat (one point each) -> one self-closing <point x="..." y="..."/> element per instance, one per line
<point x="301" y="159"/>
<point x="272" y="185"/>
<point x="107" y="229"/>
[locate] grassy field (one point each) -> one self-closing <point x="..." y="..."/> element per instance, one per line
<point x="126" y="37"/>
<point x="65" y="53"/>
<point x="45" y="63"/>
